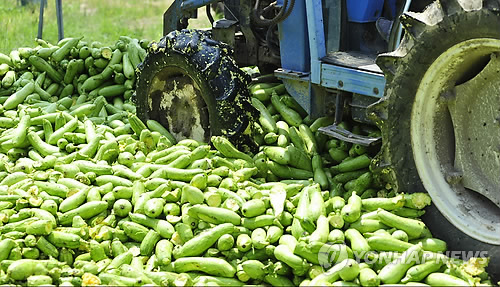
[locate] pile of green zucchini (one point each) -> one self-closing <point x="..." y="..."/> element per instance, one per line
<point x="91" y="195"/>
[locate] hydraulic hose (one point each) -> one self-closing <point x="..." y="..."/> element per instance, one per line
<point x="259" y="19"/>
<point x="209" y="14"/>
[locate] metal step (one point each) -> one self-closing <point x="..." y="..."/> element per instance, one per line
<point x="353" y="60"/>
<point x="345" y="135"/>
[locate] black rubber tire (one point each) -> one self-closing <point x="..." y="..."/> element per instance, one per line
<point x="209" y="64"/>
<point x="404" y="69"/>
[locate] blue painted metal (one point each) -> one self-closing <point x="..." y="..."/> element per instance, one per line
<point x="400" y="27"/>
<point x="397" y="32"/>
<point x="297" y="85"/>
<point x="304" y="87"/>
<point x="294" y="42"/>
<point x="352" y="80"/>
<point x="295" y="54"/>
<point x="300" y="92"/>
<point x="309" y="89"/>
<point x="364" y="11"/>
<point x="302" y="46"/>
<point x="317" y="46"/>
<point x="392" y="5"/>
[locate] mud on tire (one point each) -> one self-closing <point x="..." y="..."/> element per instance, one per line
<point x="188" y="62"/>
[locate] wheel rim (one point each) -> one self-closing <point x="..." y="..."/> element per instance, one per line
<point x="457" y="158"/>
<point x="175" y="100"/>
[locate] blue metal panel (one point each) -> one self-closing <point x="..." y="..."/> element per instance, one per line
<point x="351" y="80"/>
<point x="294" y="45"/>
<point x="392" y="5"/>
<point x="297" y="85"/>
<point x="364" y="11"/>
<point x="311" y="97"/>
<point x="316" y="31"/>
<point x="299" y="90"/>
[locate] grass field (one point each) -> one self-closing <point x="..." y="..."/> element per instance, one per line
<point x="96" y="20"/>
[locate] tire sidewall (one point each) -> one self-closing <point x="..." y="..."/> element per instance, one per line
<point x="400" y="93"/>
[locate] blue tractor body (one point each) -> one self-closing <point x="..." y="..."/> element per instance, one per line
<point x="323" y="55"/>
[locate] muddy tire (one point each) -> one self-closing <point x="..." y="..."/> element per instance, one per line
<point x="444" y="26"/>
<point x="192" y="86"/>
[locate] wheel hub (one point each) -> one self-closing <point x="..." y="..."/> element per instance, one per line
<point x="475" y="113"/>
<point x="455" y="136"/>
<point x="175" y="101"/>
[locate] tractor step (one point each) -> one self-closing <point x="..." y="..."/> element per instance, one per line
<point x="345" y="135"/>
<point x="354" y="60"/>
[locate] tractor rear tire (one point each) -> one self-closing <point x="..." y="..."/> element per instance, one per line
<point x="193" y="87"/>
<point x="443" y="26"/>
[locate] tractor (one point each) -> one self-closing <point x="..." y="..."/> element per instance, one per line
<point x="427" y="73"/>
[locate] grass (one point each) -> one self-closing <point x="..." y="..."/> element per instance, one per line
<point x="96" y="20"/>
